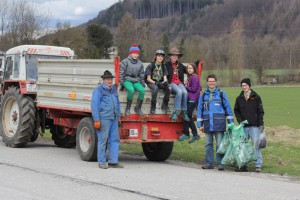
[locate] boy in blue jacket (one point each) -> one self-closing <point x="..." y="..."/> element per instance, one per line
<point x="106" y="113"/>
<point x="213" y="109"/>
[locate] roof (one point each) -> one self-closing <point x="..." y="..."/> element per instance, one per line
<point x="41" y="50"/>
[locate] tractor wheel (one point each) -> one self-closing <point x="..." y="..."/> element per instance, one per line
<point x="157" y="151"/>
<point x="17" y="122"/>
<point x="86" y="140"/>
<point x="61" y="138"/>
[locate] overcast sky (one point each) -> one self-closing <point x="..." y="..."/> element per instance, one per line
<point x="74" y="11"/>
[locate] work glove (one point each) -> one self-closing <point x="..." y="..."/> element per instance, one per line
<point x="97" y="125"/>
<point x="261" y="129"/>
<point x="143" y="84"/>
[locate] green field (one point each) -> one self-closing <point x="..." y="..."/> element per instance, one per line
<point x="281" y="105"/>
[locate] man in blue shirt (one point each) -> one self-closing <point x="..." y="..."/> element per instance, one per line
<point x="106" y="113"/>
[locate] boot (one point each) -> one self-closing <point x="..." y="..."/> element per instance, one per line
<point x="153" y="107"/>
<point x="138" y="107"/>
<point x="165" y="108"/>
<point x="127" y="110"/>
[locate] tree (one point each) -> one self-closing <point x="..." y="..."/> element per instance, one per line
<point x="101" y="38"/>
<point x="126" y="34"/>
<point x="165" y="43"/>
<point x="4" y="6"/>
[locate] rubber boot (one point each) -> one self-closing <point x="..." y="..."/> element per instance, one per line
<point x="165" y="108"/>
<point x="138" y="107"/>
<point x="153" y="107"/>
<point x="127" y="110"/>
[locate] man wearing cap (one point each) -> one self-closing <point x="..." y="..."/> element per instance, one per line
<point x="105" y="107"/>
<point x="248" y="106"/>
<point x="156" y="78"/>
<point x="132" y="78"/>
<point x="175" y="77"/>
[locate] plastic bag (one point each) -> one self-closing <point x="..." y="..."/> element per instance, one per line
<point x="224" y="143"/>
<point x="243" y="153"/>
<point x="262" y="142"/>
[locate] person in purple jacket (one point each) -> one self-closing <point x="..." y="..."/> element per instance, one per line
<point x="193" y="88"/>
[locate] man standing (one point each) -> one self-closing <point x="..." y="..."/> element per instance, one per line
<point x="248" y="106"/>
<point x="213" y="109"/>
<point x="106" y="112"/>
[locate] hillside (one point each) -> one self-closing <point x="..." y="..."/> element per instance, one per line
<point x="210" y="17"/>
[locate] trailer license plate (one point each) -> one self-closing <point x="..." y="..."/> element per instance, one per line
<point x="31" y="87"/>
<point x="133" y="132"/>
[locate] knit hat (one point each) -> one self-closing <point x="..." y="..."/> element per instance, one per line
<point x="134" y="49"/>
<point x="247" y="81"/>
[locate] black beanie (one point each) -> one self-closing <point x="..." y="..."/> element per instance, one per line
<point x="247" y="81"/>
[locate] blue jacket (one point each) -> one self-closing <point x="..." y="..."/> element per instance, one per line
<point x="105" y="104"/>
<point x="212" y="114"/>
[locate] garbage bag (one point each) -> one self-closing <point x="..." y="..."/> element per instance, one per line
<point x="224" y="143"/>
<point x="243" y="153"/>
<point x="262" y="142"/>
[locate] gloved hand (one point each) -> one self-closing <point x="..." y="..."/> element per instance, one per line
<point x="143" y="84"/>
<point x="97" y="124"/>
<point x="261" y="129"/>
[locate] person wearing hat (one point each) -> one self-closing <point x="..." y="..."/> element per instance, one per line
<point x="175" y="77"/>
<point x="105" y="106"/>
<point x="132" y="78"/>
<point x="156" y="78"/>
<point x="248" y="106"/>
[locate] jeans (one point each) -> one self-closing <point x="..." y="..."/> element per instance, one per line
<point x="190" y="124"/>
<point x="154" y="88"/>
<point x="209" y="148"/>
<point x="131" y="87"/>
<point x="181" y="96"/>
<point x="108" y="132"/>
<point x="254" y="133"/>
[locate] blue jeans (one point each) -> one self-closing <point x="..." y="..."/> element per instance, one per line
<point x="254" y="133"/>
<point x="181" y="96"/>
<point x="209" y="148"/>
<point x="108" y="132"/>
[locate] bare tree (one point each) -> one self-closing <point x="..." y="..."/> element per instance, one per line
<point x="126" y="34"/>
<point x="4" y="6"/>
<point x="27" y="21"/>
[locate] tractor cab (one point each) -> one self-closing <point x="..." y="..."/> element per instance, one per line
<point x="21" y="64"/>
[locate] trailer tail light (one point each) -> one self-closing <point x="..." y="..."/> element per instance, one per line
<point x="124" y="133"/>
<point x="155" y="131"/>
<point x="72" y="95"/>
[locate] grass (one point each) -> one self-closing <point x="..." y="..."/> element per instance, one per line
<point x="280" y="157"/>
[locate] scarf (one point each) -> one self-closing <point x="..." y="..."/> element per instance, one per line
<point x="247" y="95"/>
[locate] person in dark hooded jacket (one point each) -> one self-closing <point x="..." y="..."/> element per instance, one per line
<point x="248" y="106"/>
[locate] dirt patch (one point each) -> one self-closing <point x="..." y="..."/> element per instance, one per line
<point x="283" y="134"/>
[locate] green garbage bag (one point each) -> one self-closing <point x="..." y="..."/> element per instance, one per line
<point x="226" y="140"/>
<point x="243" y="152"/>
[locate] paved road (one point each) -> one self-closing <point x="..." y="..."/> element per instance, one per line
<point x="42" y="171"/>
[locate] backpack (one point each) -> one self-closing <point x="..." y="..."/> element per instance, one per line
<point x="221" y="95"/>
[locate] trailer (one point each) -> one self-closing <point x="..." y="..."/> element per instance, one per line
<point x="64" y="94"/>
<point x="59" y="100"/>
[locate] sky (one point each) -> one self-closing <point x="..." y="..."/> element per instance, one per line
<point x="74" y="11"/>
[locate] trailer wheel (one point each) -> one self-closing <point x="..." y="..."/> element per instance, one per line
<point x="86" y="140"/>
<point x="17" y="118"/>
<point x="61" y="138"/>
<point x="157" y="151"/>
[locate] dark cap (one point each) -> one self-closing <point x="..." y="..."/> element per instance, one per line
<point x="247" y="81"/>
<point x="107" y="74"/>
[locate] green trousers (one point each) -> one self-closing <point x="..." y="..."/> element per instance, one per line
<point x="131" y="87"/>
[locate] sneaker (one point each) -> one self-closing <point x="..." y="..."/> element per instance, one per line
<point x="103" y="166"/>
<point x="186" y="117"/>
<point x="194" y="138"/>
<point x="174" y="116"/>
<point x="183" y="137"/>
<point x="258" y="169"/>
<point x="117" y="165"/>
<point x="221" y="167"/>
<point x="207" y="167"/>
